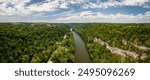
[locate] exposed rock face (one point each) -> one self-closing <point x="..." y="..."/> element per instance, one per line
<point x="117" y="50"/>
<point x="137" y="46"/>
<point x="49" y="61"/>
<point x="143" y="56"/>
<point x="142" y="47"/>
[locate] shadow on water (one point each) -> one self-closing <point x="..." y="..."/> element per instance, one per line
<point x="81" y="54"/>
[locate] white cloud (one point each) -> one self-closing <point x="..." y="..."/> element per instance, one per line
<point x="63" y="4"/>
<point x="87" y="16"/>
<point x="49" y="6"/>
<point x="53" y="5"/>
<point x="114" y="3"/>
<point x="146" y="6"/>
<point x="75" y="16"/>
<point x="134" y="2"/>
<point x="20" y="8"/>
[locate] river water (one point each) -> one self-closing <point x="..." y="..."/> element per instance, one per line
<point x="81" y="54"/>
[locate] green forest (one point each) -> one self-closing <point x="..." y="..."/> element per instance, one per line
<point x="35" y="43"/>
<point x="122" y="36"/>
<point x="43" y="42"/>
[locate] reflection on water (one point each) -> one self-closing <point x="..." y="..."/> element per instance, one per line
<point x="81" y="54"/>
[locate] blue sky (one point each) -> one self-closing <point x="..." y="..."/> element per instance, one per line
<point x="75" y="11"/>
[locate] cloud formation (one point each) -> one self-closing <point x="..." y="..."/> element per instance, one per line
<point x="115" y="3"/>
<point x="75" y="10"/>
<point x="88" y="16"/>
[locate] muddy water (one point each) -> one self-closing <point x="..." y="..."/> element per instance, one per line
<point x="81" y="54"/>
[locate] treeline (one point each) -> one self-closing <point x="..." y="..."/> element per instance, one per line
<point x="35" y="42"/>
<point x="123" y="36"/>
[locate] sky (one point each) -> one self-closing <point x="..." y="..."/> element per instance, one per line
<point x="75" y="11"/>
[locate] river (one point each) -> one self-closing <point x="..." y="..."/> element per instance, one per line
<point x="80" y="53"/>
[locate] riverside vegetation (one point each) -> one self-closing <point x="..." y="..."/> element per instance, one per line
<point x="45" y="42"/>
<point x="116" y="42"/>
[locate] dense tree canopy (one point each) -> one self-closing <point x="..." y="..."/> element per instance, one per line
<point x="123" y="36"/>
<point x="33" y="42"/>
<point x="39" y="42"/>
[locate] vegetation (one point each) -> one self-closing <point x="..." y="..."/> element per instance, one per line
<point x="41" y="42"/>
<point x="123" y="36"/>
<point x="35" y="42"/>
<point x="66" y="46"/>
